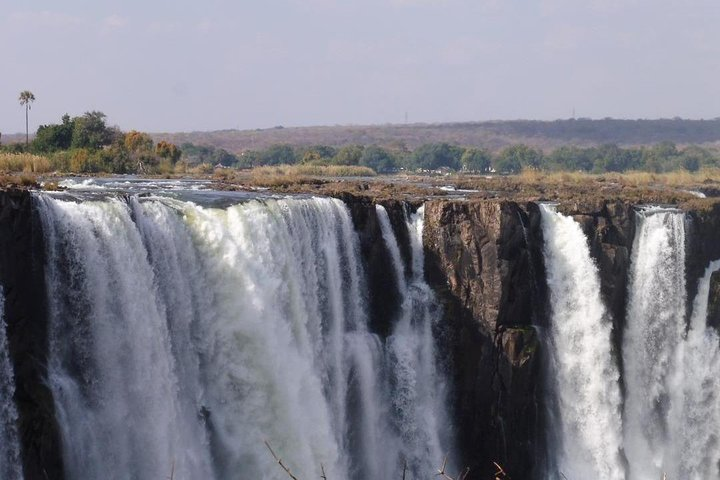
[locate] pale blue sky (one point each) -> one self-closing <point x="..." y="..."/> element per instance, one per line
<point x="162" y="65"/>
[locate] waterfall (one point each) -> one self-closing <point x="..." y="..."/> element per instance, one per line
<point x="10" y="465"/>
<point x="694" y="414"/>
<point x="182" y="337"/>
<point x="654" y="330"/>
<point x="417" y="391"/>
<point x="585" y="375"/>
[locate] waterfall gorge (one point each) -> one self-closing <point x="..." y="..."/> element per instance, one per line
<point x="182" y="336"/>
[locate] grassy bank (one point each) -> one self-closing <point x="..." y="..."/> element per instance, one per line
<point x="287" y="175"/>
<point x="24" y="162"/>
<point x="677" y="178"/>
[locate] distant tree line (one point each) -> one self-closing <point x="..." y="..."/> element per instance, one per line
<point x="662" y="157"/>
<point x="86" y="144"/>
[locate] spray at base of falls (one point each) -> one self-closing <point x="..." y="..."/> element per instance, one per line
<point x="186" y="336"/>
<point x="694" y="415"/>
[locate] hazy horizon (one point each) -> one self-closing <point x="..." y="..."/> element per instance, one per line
<point x="186" y="66"/>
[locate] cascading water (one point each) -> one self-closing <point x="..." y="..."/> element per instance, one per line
<point x="183" y="337"/>
<point x="10" y="466"/>
<point x="417" y="392"/>
<point x="654" y="330"/>
<point x="694" y="414"/>
<point x="584" y="374"/>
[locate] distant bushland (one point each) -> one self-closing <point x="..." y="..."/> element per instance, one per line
<point x="86" y="144"/>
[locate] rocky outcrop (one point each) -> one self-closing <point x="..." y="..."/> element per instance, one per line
<point x="713" y="314"/>
<point x="484" y="259"/>
<point x="22" y="278"/>
<point x="702" y="245"/>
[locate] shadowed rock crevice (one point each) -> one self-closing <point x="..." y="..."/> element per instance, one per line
<point x="23" y="280"/>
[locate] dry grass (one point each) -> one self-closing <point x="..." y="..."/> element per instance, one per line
<point x="314" y="171"/>
<point x="24" y="162"/>
<point x="532" y="176"/>
<point x="13" y="181"/>
<point x="289" y="176"/>
<point x="677" y="178"/>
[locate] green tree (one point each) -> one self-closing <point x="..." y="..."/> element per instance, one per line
<point x="91" y="132"/>
<point x="611" y="158"/>
<point x="661" y="157"/>
<point x="54" y="137"/>
<point x="26" y="99"/>
<point x="278" y="155"/>
<point x="570" y="158"/>
<point x="692" y="158"/>
<point x="476" y="160"/>
<point x="432" y="156"/>
<point x="348" y="155"/>
<point x="513" y="158"/>
<point x="378" y="159"/>
<point x="224" y="158"/>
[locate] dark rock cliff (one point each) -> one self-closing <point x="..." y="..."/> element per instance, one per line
<point x="703" y="246"/>
<point x="484" y="258"/>
<point x="23" y="281"/>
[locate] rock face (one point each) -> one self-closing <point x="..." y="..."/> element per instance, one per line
<point x="714" y="301"/>
<point x="702" y="246"/>
<point x="484" y="258"/>
<point x="23" y="281"/>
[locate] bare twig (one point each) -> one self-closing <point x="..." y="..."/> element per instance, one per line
<point x="280" y="462"/>
<point x="464" y="474"/>
<point x="322" y="471"/>
<point x="500" y="473"/>
<point x="172" y="470"/>
<point x="404" y="469"/>
<point x="441" y="472"/>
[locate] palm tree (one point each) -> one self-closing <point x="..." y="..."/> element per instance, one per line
<point x="26" y="98"/>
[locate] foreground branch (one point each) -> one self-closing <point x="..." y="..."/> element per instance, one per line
<point x="280" y="462"/>
<point x="441" y="472"/>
